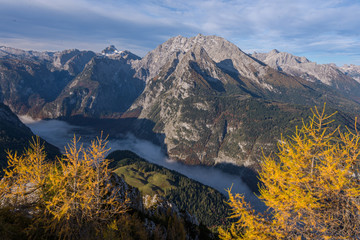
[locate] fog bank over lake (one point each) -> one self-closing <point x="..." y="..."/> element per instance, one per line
<point x="59" y="133"/>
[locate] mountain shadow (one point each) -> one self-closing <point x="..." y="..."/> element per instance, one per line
<point x="117" y="128"/>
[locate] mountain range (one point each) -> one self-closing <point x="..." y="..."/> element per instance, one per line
<point x="204" y="99"/>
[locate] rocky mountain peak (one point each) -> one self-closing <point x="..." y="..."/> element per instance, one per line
<point x="72" y="60"/>
<point x="194" y="90"/>
<point x="110" y="50"/>
<point x="274" y="52"/>
<point x="60" y="58"/>
<point x="218" y="49"/>
<point x="351" y="71"/>
<point x="9" y="52"/>
<point x="284" y="57"/>
<point x="328" y="74"/>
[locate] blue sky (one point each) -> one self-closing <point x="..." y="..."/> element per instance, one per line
<point x="324" y="31"/>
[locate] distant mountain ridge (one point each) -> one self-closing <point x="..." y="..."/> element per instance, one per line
<point x="352" y="71"/>
<point x="42" y="84"/>
<point x="328" y="74"/>
<point x="208" y="101"/>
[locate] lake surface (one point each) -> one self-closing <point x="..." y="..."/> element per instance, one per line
<point x="59" y="133"/>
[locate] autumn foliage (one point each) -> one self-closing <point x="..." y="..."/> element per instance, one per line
<point x="311" y="188"/>
<point x="73" y="198"/>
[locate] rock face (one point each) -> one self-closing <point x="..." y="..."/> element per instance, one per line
<point x="112" y="52"/>
<point x="209" y="101"/>
<point x="328" y="74"/>
<point x="72" y="61"/>
<point x="352" y="71"/>
<point x="225" y="54"/>
<point x="215" y="104"/>
<point x="71" y="82"/>
<point x="28" y="80"/>
<point x="106" y="87"/>
<point x="11" y="53"/>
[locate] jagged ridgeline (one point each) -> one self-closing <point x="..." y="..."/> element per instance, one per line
<point x="207" y="100"/>
<point x="206" y="203"/>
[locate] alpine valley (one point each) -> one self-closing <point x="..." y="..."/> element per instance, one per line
<point x="201" y="99"/>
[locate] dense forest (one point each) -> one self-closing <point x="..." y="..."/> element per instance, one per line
<point x="206" y="203"/>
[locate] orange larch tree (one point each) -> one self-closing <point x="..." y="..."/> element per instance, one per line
<point x="311" y="188"/>
<point x="82" y="192"/>
<point x="74" y="198"/>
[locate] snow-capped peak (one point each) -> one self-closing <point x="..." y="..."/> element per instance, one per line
<point x="110" y="50"/>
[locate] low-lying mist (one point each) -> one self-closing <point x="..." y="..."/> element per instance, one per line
<point x="59" y="133"/>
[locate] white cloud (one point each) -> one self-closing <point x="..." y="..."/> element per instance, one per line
<point x="294" y="26"/>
